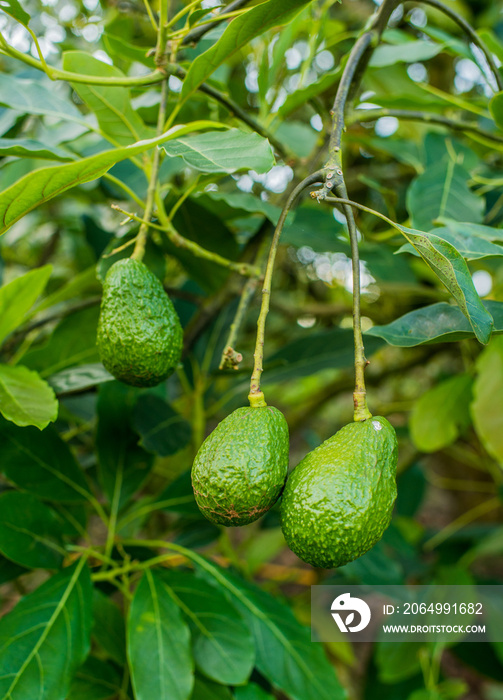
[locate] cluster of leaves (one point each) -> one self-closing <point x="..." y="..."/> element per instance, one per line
<point x="99" y="531"/>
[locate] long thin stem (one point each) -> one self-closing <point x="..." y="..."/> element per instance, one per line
<point x="241" y="268"/>
<point x="370" y="115"/>
<point x="361" y="411"/>
<point x="256" y="396"/>
<point x="472" y="35"/>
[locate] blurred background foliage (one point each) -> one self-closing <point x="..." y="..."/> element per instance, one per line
<point x="444" y="398"/>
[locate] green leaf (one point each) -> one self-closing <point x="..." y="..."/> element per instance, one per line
<point x="95" y="679"/>
<point x="29" y="532"/>
<point x="229" y="152"/>
<point x="123" y="465"/>
<point x="314" y="352"/>
<point x="239" y="32"/>
<point x="36" y="97"/>
<point x="109" y="629"/>
<point x="441" y="191"/>
<point x="118" y="46"/>
<point x="42" y="463"/>
<point x="441" y="414"/>
<point x="222" y="643"/>
<point x="487" y="233"/>
<point x="80" y="378"/>
<point x="43" y="184"/>
<point x="72" y="343"/>
<point x="409" y="52"/>
<point x="285" y="654"/>
<point x="45" y="638"/>
<point x="471" y="247"/>
<point x="437" y="323"/>
<point x="163" y="431"/>
<point x="496" y="109"/>
<point x="452" y="271"/>
<point x="30" y="148"/>
<point x="158" y="642"/>
<point x="207" y="690"/>
<point x="487" y="406"/>
<point x="17" y="298"/>
<point x="252" y="691"/>
<point x="25" y="398"/>
<point x="111" y="105"/>
<point x="232" y="205"/>
<point x="84" y="281"/>
<point x="14" y="9"/>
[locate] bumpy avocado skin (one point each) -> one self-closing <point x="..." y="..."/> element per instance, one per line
<point x="139" y="332"/>
<point x="241" y="467"/>
<point x="339" y="499"/>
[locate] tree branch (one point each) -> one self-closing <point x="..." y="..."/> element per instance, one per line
<point x="370" y="115"/>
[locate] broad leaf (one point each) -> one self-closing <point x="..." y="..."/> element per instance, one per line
<point x="30" y="148"/>
<point x="441" y="414"/>
<point x="314" y="352"/>
<point x="232" y="205"/>
<point x="42" y="463"/>
<point x="441" y="191"/>
<point x="36" y="97"/>
<point x="408" y="52"/>
<point x="17" y="298"/>
<point x="25" y="398"/>
<point x="228" y="152"/>
<point x="29" y="532"/>
<point x="487" y="233"/>
<point x="108" y="627"/>
<point x="207" y="690"/>
<point x="14" y="9"/>
<point x="96" y="679"/>
<point x="80" y="378"/>
<point x="43" y="184"/>
<point x="496" y="109"/>
<point x="112" y="105"/>
<point x="285" y="654"/>
<point x="487" y="406"/>
<point x="163" y="431"/>
<point x="123" y="465"/>
<point x="452" y="271"/>
<point x="471" y="246"/>
<point x="437" y="323"/>
<point x="222" y="643"/>
<point x="158" y="642"/>
<point x="252" y="691"/>
<point x="72" y="343"/>
<point x="239" y="32"/>
<point x="45" y="638"/>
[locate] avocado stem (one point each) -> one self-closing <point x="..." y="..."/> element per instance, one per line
<point x="266" y="288"/>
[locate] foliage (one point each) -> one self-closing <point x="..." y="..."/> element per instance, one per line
<point x="113" y="583"/>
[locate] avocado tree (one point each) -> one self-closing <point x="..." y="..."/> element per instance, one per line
<point x="312" y="191"/>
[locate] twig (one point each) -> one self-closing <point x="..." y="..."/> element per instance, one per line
<point x="196" y="34"/>
<point x="256" y="396"/>
<point x="242" y="268"/>
<point x="371" y="115"/>
<point x="230" y="358"/>
<point x="471" y="33"/>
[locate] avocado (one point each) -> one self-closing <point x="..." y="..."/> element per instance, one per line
<point x="139" y="332"/>
<point x="338" y="501"/>
<point x="241" y="467"/>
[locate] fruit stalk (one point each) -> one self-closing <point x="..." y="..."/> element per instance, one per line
<point x="256" y="396"/>
<point x="160" y="61"/>
<point x="360" y="394"/>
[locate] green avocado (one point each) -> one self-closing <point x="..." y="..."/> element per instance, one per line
<point x="338" y="501"/>
<point x="139" y="332"/>
<point x="241" y="467"/>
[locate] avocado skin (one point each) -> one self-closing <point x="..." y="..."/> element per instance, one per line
<point x="339" y="499"/>
<point x="241" y="467"/>
<point x="139" y="332"/>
